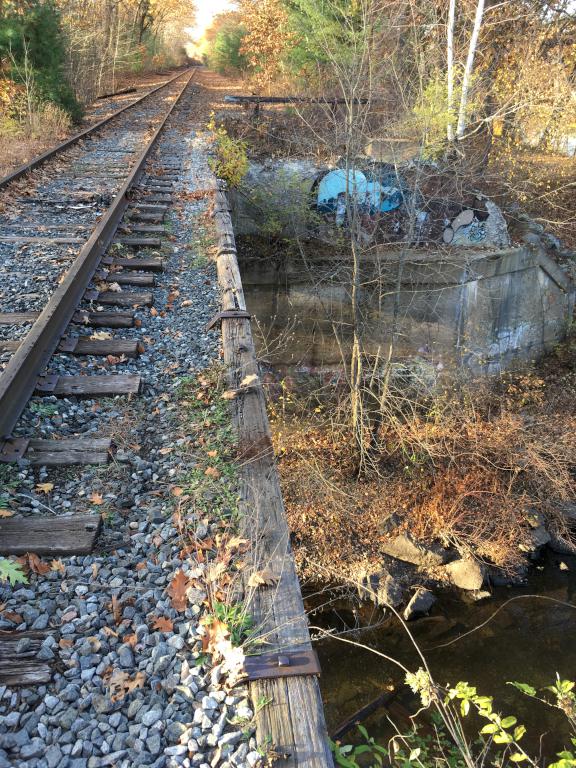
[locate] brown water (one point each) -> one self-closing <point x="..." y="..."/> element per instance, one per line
<point x="529" y="640"/>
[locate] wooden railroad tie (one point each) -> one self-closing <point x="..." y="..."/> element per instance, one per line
<point x="139" y="242"/>
<point x="19" y="662"/>
<point x="154" y="229"/>
<point x="84" y="345"/>
<point x="55" y="535"/>
<point x="121" y="298"/>
<point x="104" y="319"/>
<point x="135" y="278"/>
<point x="156" y="218"/>
<point x="144" y="263"/>
<point x="78" y="450"/>
<point x="89" y="386"/>
<point x="18" y="318"/>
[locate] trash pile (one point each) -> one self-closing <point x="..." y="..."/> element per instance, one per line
<point x="391" y="211"/>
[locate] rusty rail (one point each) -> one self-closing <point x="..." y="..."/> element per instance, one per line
<point x="19" y="378"/>
<point x="37" y="161"/>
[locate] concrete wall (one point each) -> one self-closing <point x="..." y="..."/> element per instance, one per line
<point x="481" y="310"/>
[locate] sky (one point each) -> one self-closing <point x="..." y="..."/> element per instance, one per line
<point x="205" y="12"/>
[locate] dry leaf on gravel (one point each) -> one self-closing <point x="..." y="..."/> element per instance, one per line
<point x="116" y="610"/>
<point x="120" y="683"/>
<point x="215" y="631"/>
<point x="212" y="472"/>
<point x="177" y="590"/>
<point x="96" y="498"/>
<point x="177" y="491"/>
<point x="45" y="487"/>
<point x="163" y="624"/>
<point x="6" y="513"/>
<point x="263" y="578"/>
<point x="34" y="563"/>
<point x="15" y="618"/>
<point x="58" y="565"/>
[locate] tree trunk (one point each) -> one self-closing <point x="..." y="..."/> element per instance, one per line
<point x="461" y="127"/>
<point x="450" y="69"/>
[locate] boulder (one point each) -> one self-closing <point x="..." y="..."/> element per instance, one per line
<point x="538" y="537"/>
<point x="404" y="547"/>
<point x="390" y="592"/>
<point x="421" y="602"/>
<point x="380" y="587"/>
<point x="466" y="573"/>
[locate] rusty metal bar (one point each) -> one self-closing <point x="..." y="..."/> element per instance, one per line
<point x="75" y="139"/>
<point x="20" y="377"/>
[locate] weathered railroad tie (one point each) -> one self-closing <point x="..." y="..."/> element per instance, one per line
<point x="287" y="674"/>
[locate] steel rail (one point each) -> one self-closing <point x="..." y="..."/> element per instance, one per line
<point x="37" y="161"/>
<point x="19" y="378"/>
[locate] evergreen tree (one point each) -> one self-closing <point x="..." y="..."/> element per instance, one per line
<point x="32" y="48"/>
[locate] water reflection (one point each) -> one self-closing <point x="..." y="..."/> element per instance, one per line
<point x="529" y="640"/>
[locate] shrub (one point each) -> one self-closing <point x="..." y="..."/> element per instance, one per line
<point x="231" y="161"/>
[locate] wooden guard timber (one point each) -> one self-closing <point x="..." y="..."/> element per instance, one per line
<point x="293" y="720"/>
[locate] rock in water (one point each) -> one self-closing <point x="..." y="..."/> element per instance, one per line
<point x="404" y="547"/>
<point x="466" y="573"/>
<point x="420" y="604"/>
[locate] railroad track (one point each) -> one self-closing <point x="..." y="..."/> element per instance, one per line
<point x="86" y="225"/>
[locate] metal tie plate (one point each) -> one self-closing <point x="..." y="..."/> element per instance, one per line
<point x="229" y="314"/>
<point x="288" y="664"/>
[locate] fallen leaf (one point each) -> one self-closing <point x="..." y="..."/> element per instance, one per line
<point x="230" y="394"/>
<point x="212" y="454"/>
<point x="96" y="498"/>
<point x="116" y="610"/>
<point x="215" y="571"/>
<point x="163" y="624"/>
<point x="186" y="303"/>
<point x="65" y="643"/>
<point x="120" y="683"/>
<point x="153" y="311"/>
<point x="130" y="640"/>
<point x="263" y="578"/>
<point x="35" y="563"/>
<point x="249" y="381"/>
<point x="114" y="287"/>
<point x="6" y="513"/>
<point x="236" y="542"/>
<point x="101" y="335"/>
<point x="212" y="472"/>
<point x="113" y="360"/>
<point x="58" y="565"/>
<point x="109" y="631"/>
<point x="177" y="590"/>
<point x="215" y="632"/>
<point x="45" y="487"/>
<point x="141" y="566"/>
<point x="165" y="451"/>
<point x="177" y="491"/>
<point x="15" y="618"/>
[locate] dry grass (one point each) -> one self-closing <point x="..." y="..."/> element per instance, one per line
<point x="467" y="467"/>
<point x="47" y="125"/>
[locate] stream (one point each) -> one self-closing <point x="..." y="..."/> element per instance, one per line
<point x="529" y="640"/>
